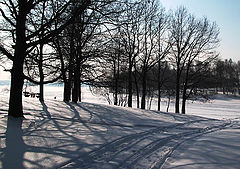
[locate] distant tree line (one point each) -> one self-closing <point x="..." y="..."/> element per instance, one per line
<point x="217" y="77"/>
<point x="123" y="48"/>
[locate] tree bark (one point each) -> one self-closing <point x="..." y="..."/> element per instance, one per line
<point x="115" y="83"/>
<point x="130" y="83"/>
<point x="17" y="77"/>
<point x="137" y="90"/>
<point x="159" y="85"/>
<point x="80" y="92"/>
<point x="144" y="89"/>
<point x="15" y="101"/>
<point x="66" y="91"/>
<point x="177" y="93"/>
<point x="41" y="96"/>
<point x="169" y="100"/>
<point x="76" y="86"/>
<point x="68" y="82"/>
<point x="184" y="101"/>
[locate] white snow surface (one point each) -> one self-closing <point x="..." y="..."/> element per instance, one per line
<point x="91" y="135"/>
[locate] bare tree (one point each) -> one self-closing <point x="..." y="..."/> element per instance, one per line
<point x="163" y="47"/>
<point x="85" y="38"/>
<point x="130" y="38"/>
<point x="24" y="39"/>
<point x="151" y="50"/>
<point x="192" y="40"/>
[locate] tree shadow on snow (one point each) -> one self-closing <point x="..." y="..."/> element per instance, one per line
<point x="15" y="147"/>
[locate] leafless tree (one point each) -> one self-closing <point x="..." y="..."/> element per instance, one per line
<point x="163" y="47"/>
<point x="192" y="40"/>
<point x="23" y="38"/>
<point x="153" y="49"/>
<point x="130" y="38"/>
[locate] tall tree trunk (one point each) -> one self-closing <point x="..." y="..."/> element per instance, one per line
<point x="185" y="87"/>
<point x="17" y="78"/>
<point x="159" y="99"/>
<point x="116" y="92"/>
<point x="144" y="90"/>
<point x="136" y="84"/>
<point x="41" y="97"/>
<point x="115" y="83"/>
<point x="184" y="100"/>
<point x="168" y="103"/>
<point x="68" y="85"/>
<point x="66" y="91"/>
<point x="177" y="93"/>
<point x="15" y="101"/>
<point x="138" y="97"/>
<point x="137" y="90"/>
<point x="159" y="85"/>
<point x="80" y="90"/>
<point x="130" y="83"/>
<point x="41" y="91"/>
<point x="76" y="86"/>
<point x="117" y="79"/>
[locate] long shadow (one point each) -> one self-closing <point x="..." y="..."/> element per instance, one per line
<point x="84" y="122"/>
<point x="15" y="146"/>
<point x="104" y="120"/>
<point x="17" y="143"/>
<point x="45" y="109"/>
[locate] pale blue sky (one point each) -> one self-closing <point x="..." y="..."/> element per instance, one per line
<point x="226" y="13"/>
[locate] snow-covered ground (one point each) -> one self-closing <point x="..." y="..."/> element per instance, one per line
<point x="55" y="134"/>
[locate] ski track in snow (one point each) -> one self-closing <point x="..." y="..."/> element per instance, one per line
<point x="135" y="151"/>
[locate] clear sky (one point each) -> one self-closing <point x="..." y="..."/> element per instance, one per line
<point x="226" y="13"/>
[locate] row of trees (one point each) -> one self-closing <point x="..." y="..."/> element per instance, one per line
<point x="97" y="42"/>
<point x="217" y="77"/>
<point x="153" y="37"/>
<point x="30" y="29"/>
<point x="227" y="75"/>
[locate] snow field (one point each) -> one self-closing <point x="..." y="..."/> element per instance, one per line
<point x="55" y="134"/>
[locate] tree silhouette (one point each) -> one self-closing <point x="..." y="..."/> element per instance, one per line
<point x="24" y="39"/>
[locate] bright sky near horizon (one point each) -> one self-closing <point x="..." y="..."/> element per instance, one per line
<point x="226" y="13"/>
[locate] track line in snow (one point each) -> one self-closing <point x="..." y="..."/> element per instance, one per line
<point x="110" y="151"/>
